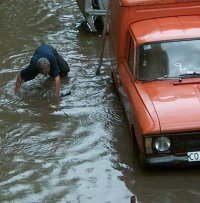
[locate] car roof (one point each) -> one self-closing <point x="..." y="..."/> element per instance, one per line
<point x="149" y="2"/>
<point x="168" y="28"/>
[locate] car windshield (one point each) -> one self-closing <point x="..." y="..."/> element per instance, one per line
<point x="169" y="60"/>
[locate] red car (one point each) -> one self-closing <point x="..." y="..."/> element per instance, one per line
<point x="155" y="55"/>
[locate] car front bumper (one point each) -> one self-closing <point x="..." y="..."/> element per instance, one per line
<point x="166" y="160"/>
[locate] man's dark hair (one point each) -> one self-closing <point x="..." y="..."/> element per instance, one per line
<point x="43" y="66"/>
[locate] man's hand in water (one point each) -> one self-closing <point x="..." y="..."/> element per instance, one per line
<point x="57" y="87"/>
<point x="18" y="83"/>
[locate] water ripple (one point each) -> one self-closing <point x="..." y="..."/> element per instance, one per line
<point x="62" y="154"/>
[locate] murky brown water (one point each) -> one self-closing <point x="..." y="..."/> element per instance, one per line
<point x="82" y="151"/>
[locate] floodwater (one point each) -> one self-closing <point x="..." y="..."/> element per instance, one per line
<point x="82" y="150"/>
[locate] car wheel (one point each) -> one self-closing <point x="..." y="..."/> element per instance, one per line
<point x="98" y="21"/>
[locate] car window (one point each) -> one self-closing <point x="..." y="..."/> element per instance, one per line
<point x="168" y="59"/>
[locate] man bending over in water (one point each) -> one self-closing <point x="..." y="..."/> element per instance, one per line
<point x="46" y="61"/>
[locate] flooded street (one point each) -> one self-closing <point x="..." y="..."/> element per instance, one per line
<point x="81" y="151"/>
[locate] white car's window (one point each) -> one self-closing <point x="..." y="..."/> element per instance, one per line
<point x="169" y="59"/>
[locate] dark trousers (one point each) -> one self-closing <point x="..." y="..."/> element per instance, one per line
<point x="62" y="64"/>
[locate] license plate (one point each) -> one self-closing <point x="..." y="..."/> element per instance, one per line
<point x="193" y="156"/>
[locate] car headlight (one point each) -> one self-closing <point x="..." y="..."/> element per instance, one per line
<point x="162" y="144"/>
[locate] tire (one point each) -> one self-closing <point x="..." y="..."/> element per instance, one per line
<point x="98" y="21"/>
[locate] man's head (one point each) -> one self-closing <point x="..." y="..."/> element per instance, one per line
<point x="43" y="66"/>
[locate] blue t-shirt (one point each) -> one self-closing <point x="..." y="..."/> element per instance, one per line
<point x="44" y="51"/>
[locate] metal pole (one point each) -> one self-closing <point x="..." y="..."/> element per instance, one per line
<point x="104" y="39"/>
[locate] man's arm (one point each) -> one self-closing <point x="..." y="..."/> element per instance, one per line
<point x="57" y="86"/>
<point x="19" y="81"/>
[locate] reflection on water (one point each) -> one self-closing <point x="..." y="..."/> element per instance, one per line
<point x="81" y="151"/>
<point x="63" y="154"/>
